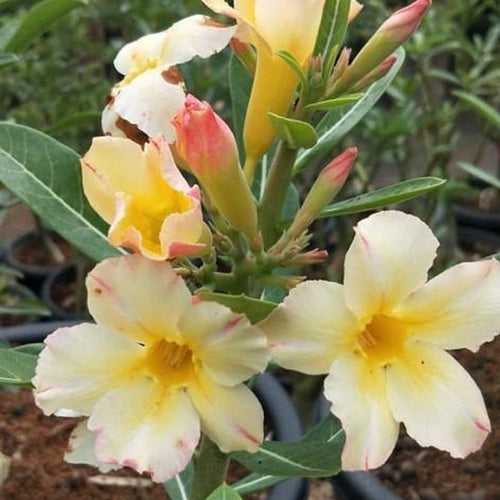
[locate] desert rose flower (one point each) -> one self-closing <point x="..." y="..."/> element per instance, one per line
<point x="152" y="92"/>
<point x="206" y="145"/>
<point x="150" y="207"/>
<point x="382" y="338"/>
<point x="158" y="367"/>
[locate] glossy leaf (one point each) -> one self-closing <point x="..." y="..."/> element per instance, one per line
<point x="256" y="482"/>
<point x="16" y="367"/>
<point x="334" y="103"/>
<point x="224" y="492"/>
<point x="295" y="133"/>
<point x="390" y="195"/>
<point x="317" y="454"/>
<point x="482" y="108"/>
<point x="38" y="20"/>
<point x="179" y="487"/>
<point x="480" y="174"/>
<point x="46" y="176"/>
<point x="255" y="310"/>
<point x="335" y="125"/>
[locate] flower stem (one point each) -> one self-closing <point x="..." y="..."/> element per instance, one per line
<point x="210" y="470"/>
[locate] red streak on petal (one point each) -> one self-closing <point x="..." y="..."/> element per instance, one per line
<point x="247" y="435"/>
<point x="103" y="285"/>
<point x="481" y="426"/>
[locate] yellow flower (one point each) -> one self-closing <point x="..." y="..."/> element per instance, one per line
<point x="143" y="196"/>
<point x="158" y="367"/>
<point x="274" y="26"/>
<point x="382" y="338"/>
<point x="151" y="92"/>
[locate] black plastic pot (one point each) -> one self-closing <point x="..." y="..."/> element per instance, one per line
<point x="32" y="332"/>
<point x="286" y="424"/>
<point x="34" y="275"/>
<point x="478" y="240"/>
<point x="473" y="217"/>
<point x="356" y="485"/>
<point x="63" y="275"/>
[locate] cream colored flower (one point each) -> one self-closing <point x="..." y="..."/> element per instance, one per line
<point x="143" y="196"/>
<point x="382" y="338"/>
<point x="158" y="367"/>
<point x="151" y="93"/>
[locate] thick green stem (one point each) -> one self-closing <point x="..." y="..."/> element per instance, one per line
<point x="210" y="470"/>
<point x="275" y="193"/>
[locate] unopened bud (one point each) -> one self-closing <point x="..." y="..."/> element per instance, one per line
<point x="245" y="53"/>
<point x="392" y="34"/>
<point x="355" y="9"/>
<point x="330" y="181"/>
<point x="342" y="65"/>
<point x="206" y="144"/>
<point x="375" y="75"/>
<point x="309" y="258"/>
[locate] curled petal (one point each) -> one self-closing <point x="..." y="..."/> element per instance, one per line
<point x="124" y="294"/>
<point x="230" y="349"/>
<point x="388" y="259"/>
<point x="145" y="428"/>
<point x="438" y="401"/>
<point x="359" y="399"/>
<point x="458" y="309"/>
<point x="312" y="326"/>
<point x="232" y="417"/>
<point x="78" y="365"/>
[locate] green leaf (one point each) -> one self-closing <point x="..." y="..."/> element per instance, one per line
<point x="480" y="174"/>
<point x="38" y="20"/>
<point x="75" y="120"/>
<point x="26" y="307"/>
<point x="397" y="193"/>
<point x="255" y="310"/>
<point x="317" y="454"/>
<point x="294" y="65"/>
<point x="295" y="133"/>
<point x="240" y="85"/>
<point x="33" y="349"/>
<point x="482" y="108"/>
<point x="334" y="126"/>
<point x="224" y="492"/>
<point x="7" y="59"/>
<point x="16" y="367"/>
<point x="333" y="28"/>
<point x="46" y="175"/>
<point x="256" y="482"/>
<point x="179" y="488"/>
<point x="334" y="103"/>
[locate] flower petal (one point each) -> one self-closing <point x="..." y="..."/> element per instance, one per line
<point x="232" y="417"/>
<point x="388" y="259"/>
<point x="137" y="297"/>
<point x="438" y="401"/>
<point x="143" y="427"/>
<point x="78" y="365"/>
<point x="230" y="349"/>
<point x="458" y="309"/>
<point x="81" y="449"/>
<point x="359" y="400"/>
<point x="135" y="53"/>
<point x="310" y="328"/>
<point x="150" y="102"/>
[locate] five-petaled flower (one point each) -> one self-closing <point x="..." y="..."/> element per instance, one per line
<point x="152" y="90"/>
<point x="159" y="366"/>
<point x="382" y="338"/>
<point x="142" y="194"/>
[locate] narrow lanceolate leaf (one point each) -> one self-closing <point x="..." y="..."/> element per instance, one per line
<point x="46" y="176"/>
<point x="334" y="103"/>
<point x="224" y="492"/>
<point x="240" y="84"/>
<point x="317" y="454"/>
<point x="254" y="309"/>
<point x="480" y="174"/>
<point x="295" y="133"/>
<point x="294" y="65"/>
<point x="339" y="122"/>
<point x="256" y="482"/>
<point x="7" y="59"/>
<point x="38" y="20"/>
<point x="390" y="195"/>
<point x="482" y="108"/>
<point x="179" y="488"/>
<point x="16" y="367"/>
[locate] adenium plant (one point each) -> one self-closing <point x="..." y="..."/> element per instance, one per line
<point x="162" y="382"/>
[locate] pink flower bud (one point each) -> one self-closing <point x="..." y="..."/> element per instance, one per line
<point x="392" y="34"/>
<point x="207" y="146"/>
<point x="376" y="74"/>
<point x="330" y="181"/>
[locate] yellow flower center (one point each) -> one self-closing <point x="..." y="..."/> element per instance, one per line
<point x="142" y="64"/>
<point x="382" y="340"/>
<point x="171" y="363"/>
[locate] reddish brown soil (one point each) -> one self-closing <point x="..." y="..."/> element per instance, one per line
<point x="428" y="474"/>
